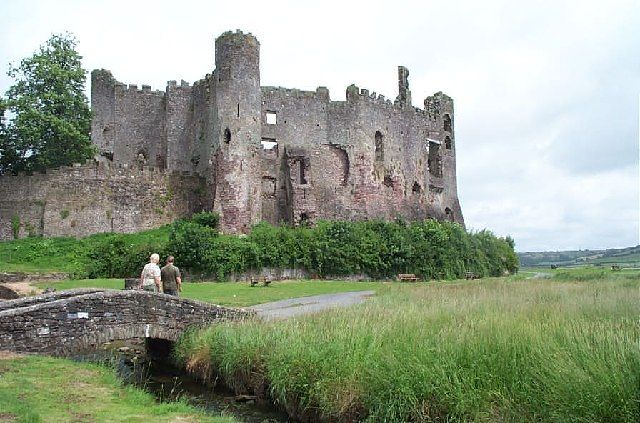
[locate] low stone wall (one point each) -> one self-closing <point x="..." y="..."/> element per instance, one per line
<point x="31" y="277"/>
<point x="65" y="322"/>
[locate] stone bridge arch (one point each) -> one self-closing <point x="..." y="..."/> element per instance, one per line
<point x="66" y="322"/>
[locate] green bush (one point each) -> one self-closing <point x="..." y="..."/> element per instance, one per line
<point x="208" y="219"/>
<point x="115" y="257"/>
<point x="228" y="255"/>
<point x="190" y="242"/>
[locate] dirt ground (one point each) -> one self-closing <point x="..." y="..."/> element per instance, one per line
<point x="8" y="355"/>
<point x="23" y="288"/>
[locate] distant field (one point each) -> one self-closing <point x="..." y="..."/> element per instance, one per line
<point x="628" y="257"/>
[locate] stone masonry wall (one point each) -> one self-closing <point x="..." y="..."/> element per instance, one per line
<point x="360" y="159"/>
<point x="96" y="197"/>
<point x="70" y="321"/>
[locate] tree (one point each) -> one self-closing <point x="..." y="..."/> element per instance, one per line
<point x="48" y="120"/>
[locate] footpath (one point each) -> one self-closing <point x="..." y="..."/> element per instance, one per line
<point x="297" y="306"/>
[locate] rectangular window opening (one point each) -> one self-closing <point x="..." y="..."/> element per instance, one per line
<point x="269" y="144"/>
<point x="271" y="118"/>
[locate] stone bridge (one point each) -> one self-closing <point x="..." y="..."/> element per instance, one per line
<point x="66" y="322"/>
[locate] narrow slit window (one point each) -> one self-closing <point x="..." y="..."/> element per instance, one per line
<point x="379" y="147"/>
<point x="303" y="176"/>
<point x="238" y="109"/>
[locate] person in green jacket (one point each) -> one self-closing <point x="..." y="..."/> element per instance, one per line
<point x="171" y="278"/>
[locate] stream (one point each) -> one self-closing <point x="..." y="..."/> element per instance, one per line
<point x="168" y="383"/>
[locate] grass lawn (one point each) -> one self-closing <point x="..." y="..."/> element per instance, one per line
<point x="502" y="349"/>
<point x="60" y="254"/>
<point x="238" y="294"/>
<point x="44" y="389"/>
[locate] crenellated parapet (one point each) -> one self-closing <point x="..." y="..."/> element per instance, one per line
<point x="356" y="94"/>
<point x="133" y="89"/>
<point x="321" y="93"/>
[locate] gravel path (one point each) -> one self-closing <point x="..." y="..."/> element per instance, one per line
<point x="297" y="306"/>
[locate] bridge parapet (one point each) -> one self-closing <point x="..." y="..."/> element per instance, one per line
<point x="66" y="322"/>
<point x="45" y="298"/>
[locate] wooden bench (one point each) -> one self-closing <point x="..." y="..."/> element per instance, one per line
<point x="402" y="277"/>
<point x="471" y="275"/>
<point x="255" y="280"/>
<point x="615" y="267"/>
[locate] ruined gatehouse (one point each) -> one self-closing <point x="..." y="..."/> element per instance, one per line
<point x="251" y="153"/>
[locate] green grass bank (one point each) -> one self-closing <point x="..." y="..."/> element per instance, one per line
<point x="492" y="350"/>
<point x="237" y="294"/>
<point x="43" y="389"/>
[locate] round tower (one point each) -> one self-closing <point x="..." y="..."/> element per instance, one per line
<point x="238" y="115"/>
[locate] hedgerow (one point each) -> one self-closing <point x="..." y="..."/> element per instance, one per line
<point x="377" y="249"/>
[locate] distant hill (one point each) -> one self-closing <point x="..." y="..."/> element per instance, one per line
<point x="625" y="257"/>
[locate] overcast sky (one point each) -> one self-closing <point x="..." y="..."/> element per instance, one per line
<point x="546" y="92"/>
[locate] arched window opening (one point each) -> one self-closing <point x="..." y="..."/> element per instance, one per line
<point x="447" y="123"/>
<point x="227" y="136"/>
<point x="379" y="146"/>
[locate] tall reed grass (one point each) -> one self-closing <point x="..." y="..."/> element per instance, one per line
<point x="495" y="350"/>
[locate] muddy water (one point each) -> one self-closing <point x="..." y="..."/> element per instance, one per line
<point x="168" y="383"/>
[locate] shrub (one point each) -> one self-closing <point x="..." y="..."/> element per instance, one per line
<point x="189" y="242"/>
<point x="228" y="255"/>
<point x="208" y="219"/>
<point x="430" y="249"/>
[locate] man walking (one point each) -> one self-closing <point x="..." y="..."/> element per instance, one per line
<point x="150" y="277"/>
<point x="170" y="276"/>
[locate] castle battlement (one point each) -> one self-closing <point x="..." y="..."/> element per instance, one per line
<point x="321" y="93"/>
<point x="133" y="89"/>
<point x="174" y="84"/>
<point x="238" y="34"/>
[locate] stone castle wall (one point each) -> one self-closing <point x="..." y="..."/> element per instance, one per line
<point x="96" y="197"/>
<point x="259" y="153"/>
<point x="362" y="158"/>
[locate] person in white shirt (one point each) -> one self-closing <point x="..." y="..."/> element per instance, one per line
<point x="150" y="276"/>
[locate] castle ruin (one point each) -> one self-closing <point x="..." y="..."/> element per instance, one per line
<point x="248" y="152"/>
